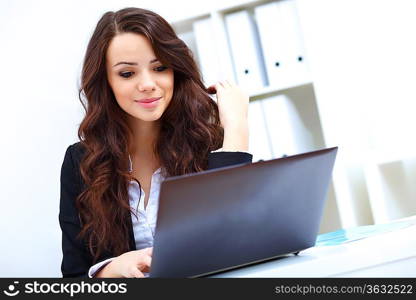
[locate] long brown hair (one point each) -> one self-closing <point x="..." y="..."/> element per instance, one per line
<point x="190" y="127"/>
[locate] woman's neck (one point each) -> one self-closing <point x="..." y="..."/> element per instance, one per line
<point x="145" y="135"/>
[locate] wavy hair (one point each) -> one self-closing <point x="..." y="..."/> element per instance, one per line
<point x="190" y="127"/>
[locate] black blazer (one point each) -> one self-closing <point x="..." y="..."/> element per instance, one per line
<point x="76" y="259"/>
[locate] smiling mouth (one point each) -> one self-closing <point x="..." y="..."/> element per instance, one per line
<point x="150" y="100"/>
<point x="150" y="104"/>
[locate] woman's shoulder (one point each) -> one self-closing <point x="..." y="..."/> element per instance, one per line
<point x="76" y="151"/>
<point x="71" y="162"/>
<point x="70" y="171"/>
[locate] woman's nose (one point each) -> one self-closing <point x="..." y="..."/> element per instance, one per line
<point x="146" y="82"/>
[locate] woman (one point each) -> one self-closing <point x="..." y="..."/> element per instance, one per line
<point x="148" y="116"/>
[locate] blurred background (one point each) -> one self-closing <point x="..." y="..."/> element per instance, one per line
<point x="320" y="73"/>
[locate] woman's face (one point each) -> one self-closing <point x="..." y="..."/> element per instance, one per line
<point x="135" y="74"/>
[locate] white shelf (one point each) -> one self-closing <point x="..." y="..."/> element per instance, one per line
<point x="386" y="157"/>
<point x="390" y="185"/>
<point x="223" y="7"/>
<point x="271" y="90"/>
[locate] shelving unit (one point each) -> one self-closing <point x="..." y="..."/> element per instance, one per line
<point x="390" y="181"/>
<point x="283" y="115"/>
<point x="291" y="112"/>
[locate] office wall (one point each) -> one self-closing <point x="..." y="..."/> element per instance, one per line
<point x="41" y="50"/>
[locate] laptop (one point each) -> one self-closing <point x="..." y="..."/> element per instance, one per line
<point x="226" y="218"/>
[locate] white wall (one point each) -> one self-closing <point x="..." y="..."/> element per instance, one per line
<point x="41" y="50"/>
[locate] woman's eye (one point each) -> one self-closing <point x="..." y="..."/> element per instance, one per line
<point x="161" y="68"/>
<point x="129" y="74"/>
<point x="126" y="74"/>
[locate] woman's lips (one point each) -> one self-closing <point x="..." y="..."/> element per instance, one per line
<point x="148" y="103"/>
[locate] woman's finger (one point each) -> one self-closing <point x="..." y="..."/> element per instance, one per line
<point x="218" y="87"/>
<point x="149" y="251"/>
<point x="231" y="82"/>
<point x="136" y="273"/>
<point x="145" y="265"/>
<point x="228" y="82"/>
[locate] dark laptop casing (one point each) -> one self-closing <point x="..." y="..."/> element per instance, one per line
<point x="225" y="218"/>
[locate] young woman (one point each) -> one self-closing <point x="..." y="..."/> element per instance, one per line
<point x="148" y="116"/>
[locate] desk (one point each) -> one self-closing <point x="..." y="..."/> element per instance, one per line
<point x="389" y="254"/>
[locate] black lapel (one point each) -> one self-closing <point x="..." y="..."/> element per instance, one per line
<point x="132" y="242"/>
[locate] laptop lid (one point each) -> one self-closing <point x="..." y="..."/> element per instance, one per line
<point x="225" y="218"/>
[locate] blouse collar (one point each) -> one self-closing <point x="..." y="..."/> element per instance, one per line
<point x="131" y="167"/>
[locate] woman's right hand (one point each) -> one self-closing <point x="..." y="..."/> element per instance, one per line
<point x="131" y="264"/>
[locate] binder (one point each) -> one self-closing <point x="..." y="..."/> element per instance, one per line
<point x="226" y="70"/>
<point x="296" y="54"/>
<point x="245" y="50"/>
<point x="259" y="142"/>
<point x="207" y="51"/>
<point x="271" y="34"/>
<point x="281" y="41"/>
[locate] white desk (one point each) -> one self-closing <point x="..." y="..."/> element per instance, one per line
<point x="390" y="254"/>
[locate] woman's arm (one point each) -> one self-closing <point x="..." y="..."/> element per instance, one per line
<point x="132" y="264"/>
<point x="233" y="110"/>
<point x="236" y="137"/>
<point x="76" y="259"/>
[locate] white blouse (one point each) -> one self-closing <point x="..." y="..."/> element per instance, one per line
<point x="145" y="223"/>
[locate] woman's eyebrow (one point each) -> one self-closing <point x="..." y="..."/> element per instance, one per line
<point x="133" y="63"/>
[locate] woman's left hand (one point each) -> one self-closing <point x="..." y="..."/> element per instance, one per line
<point x="233" y="110"/>
<point x="232" y="103"/>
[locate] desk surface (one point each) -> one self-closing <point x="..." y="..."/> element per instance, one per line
<point x="389" y="254"/>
